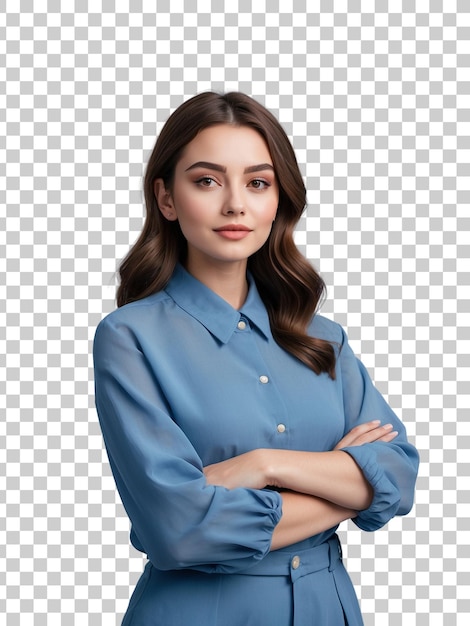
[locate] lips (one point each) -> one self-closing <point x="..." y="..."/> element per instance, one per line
<point x="233" y="232"/>
<point x="233" y="228"/>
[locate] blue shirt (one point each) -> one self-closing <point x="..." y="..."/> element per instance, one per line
<point x="184" y="380"/>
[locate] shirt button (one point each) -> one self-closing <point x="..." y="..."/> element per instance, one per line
<point x="281" y="428"/>
<point x="295" y="562"/>
<point x="241" y="325"/>
<point x="263" y="379"/>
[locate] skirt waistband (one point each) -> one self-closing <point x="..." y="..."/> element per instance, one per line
<point x="300" y="563"/>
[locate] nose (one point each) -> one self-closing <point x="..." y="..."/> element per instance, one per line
<point x="234" y="204"/>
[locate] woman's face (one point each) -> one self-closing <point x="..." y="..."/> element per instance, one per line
<point x="224" y="195"/>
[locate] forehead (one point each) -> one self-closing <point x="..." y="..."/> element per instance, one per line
<point x="227" y="145"/>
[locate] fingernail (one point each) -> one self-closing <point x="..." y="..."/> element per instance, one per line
<point x="388" y="426"/>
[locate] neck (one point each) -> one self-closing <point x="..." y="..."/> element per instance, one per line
<point x="227" y="280"/>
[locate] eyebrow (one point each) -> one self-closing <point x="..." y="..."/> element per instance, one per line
<point x="220" y="168"/>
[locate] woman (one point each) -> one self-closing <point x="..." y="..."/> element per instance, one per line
<point x="240" y="428"/>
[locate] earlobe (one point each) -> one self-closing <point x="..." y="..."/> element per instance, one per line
<point x="164" y="200"/>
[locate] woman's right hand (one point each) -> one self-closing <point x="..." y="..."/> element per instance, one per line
<point x="367" y="433"/>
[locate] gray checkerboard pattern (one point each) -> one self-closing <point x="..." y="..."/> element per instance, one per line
<point x="376" y="99"/>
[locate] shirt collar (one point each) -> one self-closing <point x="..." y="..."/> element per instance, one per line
<point x="212" y="311"/>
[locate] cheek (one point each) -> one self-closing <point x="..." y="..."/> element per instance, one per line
<point x="190" y="206"/>
<point x="272" y="203"/>
<point x="270" y="210"/>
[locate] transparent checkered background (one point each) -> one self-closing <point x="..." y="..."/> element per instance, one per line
<point x="376" y="99"/>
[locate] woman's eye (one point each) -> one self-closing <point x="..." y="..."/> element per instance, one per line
<point x="258" y="183"/>
<point x="205" y="181"/>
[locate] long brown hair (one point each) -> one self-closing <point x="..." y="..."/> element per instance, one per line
<point x="288" y="285"/>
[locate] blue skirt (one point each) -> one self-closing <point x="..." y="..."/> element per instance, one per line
<point x="306" y="588"/>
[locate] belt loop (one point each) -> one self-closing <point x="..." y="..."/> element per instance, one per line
<point x="336" y="553"/>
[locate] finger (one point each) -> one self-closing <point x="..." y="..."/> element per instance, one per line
<point x="367" y="433"/>
<point x="364" y="428"/>
<point x="388" y="437"/>
<point x="375" y="435"/>
<point x="358" y="431"/>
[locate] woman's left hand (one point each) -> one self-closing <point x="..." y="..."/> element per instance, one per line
<point x="245" y="470"/>
<point x="367" y="433"/>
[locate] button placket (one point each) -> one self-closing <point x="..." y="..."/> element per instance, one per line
<point x="273" y="400"/>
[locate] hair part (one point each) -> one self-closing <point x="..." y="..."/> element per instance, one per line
<point x="289" y="286"/>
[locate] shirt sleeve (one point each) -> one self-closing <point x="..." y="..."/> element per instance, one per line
<point x="390" y="468"/>
<point x="178" y="519"/>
